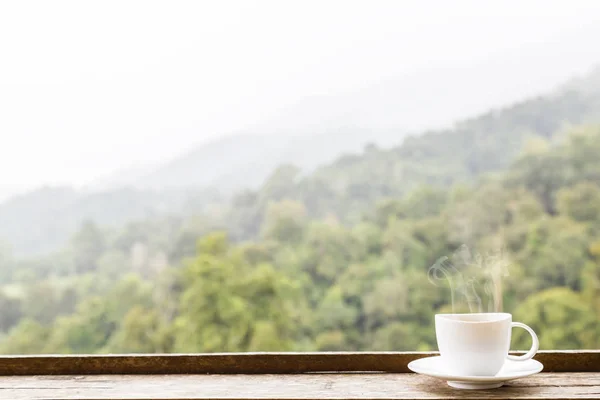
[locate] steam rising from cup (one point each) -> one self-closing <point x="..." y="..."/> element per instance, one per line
<point x="472" y="278"/>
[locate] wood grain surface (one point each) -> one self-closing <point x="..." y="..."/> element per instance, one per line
<point x="257" y="363"/>
<point x="282" y="386"/>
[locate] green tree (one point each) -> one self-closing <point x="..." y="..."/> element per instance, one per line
<point x="561" y="318"/>
<point x="555" y="253"/>
<point x="544" y="174"/>
<point x="86" y="331"/>
<point x="141" y="331"/>
<point x="226" y="303"/>
<point x="285" y="221"/>
<point x="28" y="337"/>
<point x="10" y="311"/>
<point x="580" y="202"/>
<point x="397" y="336"/>
<point x="88" y="245"/>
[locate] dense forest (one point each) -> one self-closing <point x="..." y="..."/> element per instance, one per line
<point x="342" y="258"/>
<point x="320" y="284"/>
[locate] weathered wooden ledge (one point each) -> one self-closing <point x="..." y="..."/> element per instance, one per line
<point x="258" y="363"/>
<point x="276" y="376"/>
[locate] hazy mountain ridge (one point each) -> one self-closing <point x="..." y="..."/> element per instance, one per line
<point x="381" y="112"/>
<point x="348" y="187"/>
<point x="44" y="219"/>
<point x="242" y="161"/>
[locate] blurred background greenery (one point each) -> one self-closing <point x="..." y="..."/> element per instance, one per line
<point x="211" y="176"/>
<point x="333" y="259"/>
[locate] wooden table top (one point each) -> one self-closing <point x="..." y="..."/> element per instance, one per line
<point x="262" y="376"/>
<point x="577" y="385"/>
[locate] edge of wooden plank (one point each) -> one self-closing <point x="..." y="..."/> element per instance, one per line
<point x="257" y="363"/>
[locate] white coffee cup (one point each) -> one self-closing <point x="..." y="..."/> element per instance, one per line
<point x="478" y="344"/>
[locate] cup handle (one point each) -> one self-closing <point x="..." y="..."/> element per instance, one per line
<point x="534" y="346"/>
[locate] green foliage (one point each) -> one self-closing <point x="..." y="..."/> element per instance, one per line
<point x="141" y="331"/>
<point x="580" y="202"/>
<point x="88" y="245"/>
<point x="336" y="260"/>
<point x="397" y="336"/>
<point x="285" y="221"/>
<point x="86" y="331"/>
<point x="561" y="318"/>
<point x="28" y="337"/>
<point x="227" y="303"/>
<point x="555" y="252"/>
<point x="11" y="311"/>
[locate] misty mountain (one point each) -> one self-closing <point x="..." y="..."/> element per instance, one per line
<point x="350" y="186"/>
<point x="381" y="113"/>
<point x="42" y="220"/>
<point x="244" y="161"/>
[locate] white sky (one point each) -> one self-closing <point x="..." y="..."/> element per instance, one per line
<point x="88" y="88"/>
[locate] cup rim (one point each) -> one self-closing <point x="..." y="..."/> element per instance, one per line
<point x="451" y="317"/>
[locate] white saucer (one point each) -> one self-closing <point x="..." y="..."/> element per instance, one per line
<point x="432" y="366"/>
